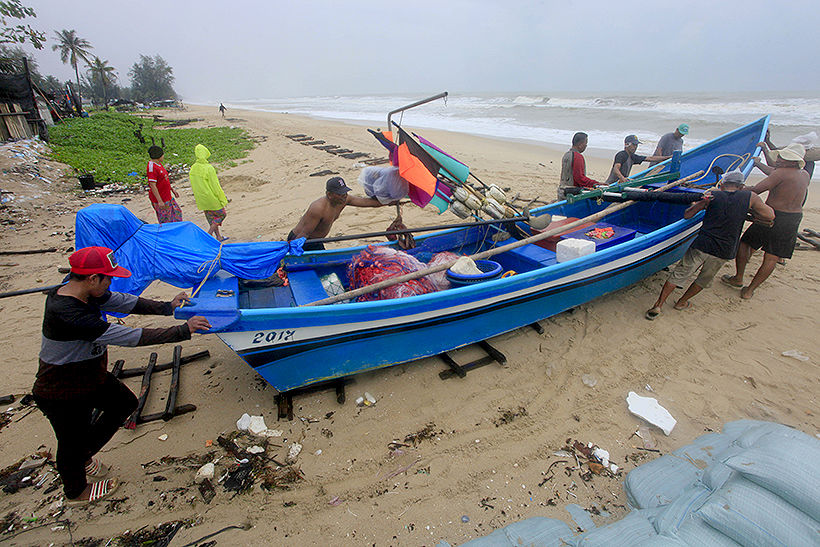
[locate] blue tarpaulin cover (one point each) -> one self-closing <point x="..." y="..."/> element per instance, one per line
<point x="175" y="252"/>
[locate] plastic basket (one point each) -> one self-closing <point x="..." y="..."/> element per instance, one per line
<point x="490" y="270"/>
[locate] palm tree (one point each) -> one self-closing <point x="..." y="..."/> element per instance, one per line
<point x="106" y="73"/>
<point x="72" y="49"/>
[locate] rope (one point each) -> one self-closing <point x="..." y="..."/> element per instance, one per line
<point x="213" y="262"/>
<point x="742" y="159"/>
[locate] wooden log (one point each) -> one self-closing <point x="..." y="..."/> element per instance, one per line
<point x="132" y="421"/>
<point x="171" y="406"/>
<point x="490" y="252"/>
<point x="29" y="251"/>
<point x="182" y="409"/>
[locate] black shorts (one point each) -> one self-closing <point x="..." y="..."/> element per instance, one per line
<point x="308" y="246"/>
<point x="778" y="240"/>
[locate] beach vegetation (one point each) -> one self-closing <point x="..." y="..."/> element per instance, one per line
<point x="19" y="33"/>
<point x="152" y="79"/>
<point x="73" y="49"/>
<point x="113" y="146"/>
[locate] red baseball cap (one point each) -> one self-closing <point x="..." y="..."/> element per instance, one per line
<point x="96" y="260"/>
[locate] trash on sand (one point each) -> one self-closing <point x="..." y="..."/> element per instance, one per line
<point x="294" y="451"/>
<point x="465" y="519"/>
<point x="205" y="472"/>
<point x="359" y="401"/>
<point x="240" y="478"/>
<point x="613" y="468"/>
<point x="335" y="501"/>
<point x="369" y="399"/>
<point x="589" y="380"/>
<point x="257" y="425"/>
<point x="796" y="355"/>
<point x="243" y="422"/>
<point x="646" y="436"/>
<point x="273" y="433"/>
<point x="255" y="449"/>
<point x="163" y="437"/>
<point x="207" y="491"/>
<point x="649" y="409"/>
<point x="602" y="455"/>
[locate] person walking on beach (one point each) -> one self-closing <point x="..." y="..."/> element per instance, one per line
<point x="787" y="186"/>
<point x="222" y="109"/>
<point x="573" y="167"/>
<point x="210" y="199"/>
<point x="159" y="188"/>
<point x="322" y="213"/>
<point x="717" y="240"/>
<point x="73" y="380"/>
<point x="626" y="158"/>
<point x="671" y="142"/>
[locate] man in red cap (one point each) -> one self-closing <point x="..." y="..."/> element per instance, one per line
<point x="73" y="377"/>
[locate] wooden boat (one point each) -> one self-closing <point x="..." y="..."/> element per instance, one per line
<point x="292" y="345"/>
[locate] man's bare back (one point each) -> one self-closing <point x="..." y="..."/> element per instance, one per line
<point x="319" y="217"/>
<point x="787" y="187"/>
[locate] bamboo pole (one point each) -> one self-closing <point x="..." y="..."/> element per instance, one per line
<point x="491" y="252"/>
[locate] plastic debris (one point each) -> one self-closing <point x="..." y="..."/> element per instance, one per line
<point x="646" y="436"/>
<point x="294" y="451"/>
<point x="163" y="437"/>
<point x="359" y="401"/>
<point x="589" y="380"/>
<point x="602" y="455"/>
<point x="369" y="399"/>
<point x="650" y="410"/>
<point x="796" y="355"/>
<point x="257" y="425"/>
<point x="465" y="519"/>
<point x="255" y="449"/>
<point x="243" y="422"/>
<point x="205" y="472"/>
<point x="273" y="433"/>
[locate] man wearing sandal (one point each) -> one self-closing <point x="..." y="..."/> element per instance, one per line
<point x="717" y="240"/>
<point x="73" y="380"/>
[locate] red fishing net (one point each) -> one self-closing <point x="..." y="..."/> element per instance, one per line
<point x="375" y="264"/>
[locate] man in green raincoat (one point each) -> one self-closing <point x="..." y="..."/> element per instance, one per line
<point x="210" y="199"/>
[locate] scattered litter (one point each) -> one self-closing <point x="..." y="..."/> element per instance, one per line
<point x="796" y="355"/>
<point x="465" y="519"/>
<point x="336" y="501"/>
<point x="294" y="451"/>
<point x="646" y="436"/>
<point x="370" y="400"/>
<point x="602" y="455"/>
<point x="163" y="437"/>
<point x="257" y="426"/>
<point x="359" y="401"/>
<point x="562" y="454"/>
<point x="256" y="449"/>
<point x="206" y="490"/>
<point x="273" y="433"/>
<point x="649" y="409"/>
<point x="205" y="472"/>
<point x="319" y="452"/>
<point x="589" y="380"/>
<point x="243" y="422"/>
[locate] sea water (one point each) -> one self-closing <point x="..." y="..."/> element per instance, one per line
<point x="552" y="119"/>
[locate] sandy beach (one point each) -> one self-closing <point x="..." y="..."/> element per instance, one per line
<point x="489" y="439"/>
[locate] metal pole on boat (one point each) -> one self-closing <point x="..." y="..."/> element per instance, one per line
<point x="491" y="252"/>
<point x="441" y="95"/>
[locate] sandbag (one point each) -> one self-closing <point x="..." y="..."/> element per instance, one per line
<point x="753" y="516"/>
<point x="675" y="514"/>
<point x="383" y="183"/>
<point x="697" y="533"/>
<point x="748" y="438"/>
<point x="630" y="530"/>
<point x="535" y="531"/>
<point x="787" y="469"/>
<point x="660" y="481"/>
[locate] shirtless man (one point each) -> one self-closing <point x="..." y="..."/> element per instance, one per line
<point x="787" y="186"/>
<point x="322" y="213"/>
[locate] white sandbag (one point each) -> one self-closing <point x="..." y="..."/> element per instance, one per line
<point x="538" y="531"/>
<point x="662" y="541"/>
<point x="753" y="516"/>
<point x="788" y="470"/>
<point x="753" y="434"/>
<point x="675" y="514"/>
<point x="633" y="529"/>
<point x="696" y="533"/>
<point x="702" y="451"/>
<point x="735" y="429"/>
<point x="383" y="183"/>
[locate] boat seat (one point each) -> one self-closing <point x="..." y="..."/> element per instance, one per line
<point x="217" y="301"/>
<point x="306" y="287"/>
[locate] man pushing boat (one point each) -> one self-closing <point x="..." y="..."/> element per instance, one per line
<point x="322" y="213"/>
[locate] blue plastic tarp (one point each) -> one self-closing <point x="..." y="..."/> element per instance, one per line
<point x="178" y="253"/>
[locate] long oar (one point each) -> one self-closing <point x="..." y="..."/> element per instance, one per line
<point x="421" y="229"/>
<point x="491" y="252"/>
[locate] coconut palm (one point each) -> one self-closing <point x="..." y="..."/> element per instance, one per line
<point x="72" y="49"/>
<point x="105" y="73"/>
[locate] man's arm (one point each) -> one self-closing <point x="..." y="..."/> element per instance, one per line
<point x="760" y="210"/>
<point x="309" y="222"/>
<point x="579" y="177"/>
<point x="656" y="157"/>
<point x="767" y="170"/>
<point x="358" y="201"/>
<point x="697" y="207"/>
<point x="768" y="154"/>
<point x="766" y="184"/>
<point x="154" y="190"/>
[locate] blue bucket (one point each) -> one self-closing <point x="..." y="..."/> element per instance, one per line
<point x="489" y="270"/>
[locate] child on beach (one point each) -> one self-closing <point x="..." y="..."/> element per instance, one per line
<point x="210" y="199"/>
<point x="159" y="189"/>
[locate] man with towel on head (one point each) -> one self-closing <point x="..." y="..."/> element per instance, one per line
<point x="717" y="240"/>
<point x="322" y="213"/>
<point x="787" y="186"/>
<point x="671" y="142"/>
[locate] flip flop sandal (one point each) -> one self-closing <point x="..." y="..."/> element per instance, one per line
<point x="686" y="307"/>
<point x="726" y="279"/>
<point x="99" y="490"/>
<point x="96" y="469"/>
<point x="651" y="314"/>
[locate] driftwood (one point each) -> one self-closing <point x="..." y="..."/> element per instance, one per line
<point x="29" y="251"/>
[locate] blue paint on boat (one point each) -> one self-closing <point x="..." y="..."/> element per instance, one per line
<point x="292" y="346"/>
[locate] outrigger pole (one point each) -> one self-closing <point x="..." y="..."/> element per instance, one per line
<point x="442" y="95"/>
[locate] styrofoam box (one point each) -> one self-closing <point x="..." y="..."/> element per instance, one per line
<point x="568" y="249"/>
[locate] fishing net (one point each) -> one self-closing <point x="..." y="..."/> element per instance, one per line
<point x="375" y="264"/>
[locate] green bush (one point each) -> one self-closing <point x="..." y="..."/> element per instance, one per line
<point x="106" y="146"/>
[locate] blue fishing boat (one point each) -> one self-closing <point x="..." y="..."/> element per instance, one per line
<point x="291" y="342"/>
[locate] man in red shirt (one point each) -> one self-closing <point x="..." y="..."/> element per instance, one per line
<point x="573" y="167"/>
<point x="159" y="188"/>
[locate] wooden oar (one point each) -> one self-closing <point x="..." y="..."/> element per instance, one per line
<point x="491" y="252"/>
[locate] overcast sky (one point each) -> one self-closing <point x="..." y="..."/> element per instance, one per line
<point x="229" y="50"/>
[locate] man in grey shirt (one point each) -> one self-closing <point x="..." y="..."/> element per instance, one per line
<point x="671" y="142"/>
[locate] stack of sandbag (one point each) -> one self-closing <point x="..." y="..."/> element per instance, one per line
<point x="756" y="483"/>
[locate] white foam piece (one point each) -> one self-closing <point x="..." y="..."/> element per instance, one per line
<point x="650" y="410"/>
<point x="571" y="248"/>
